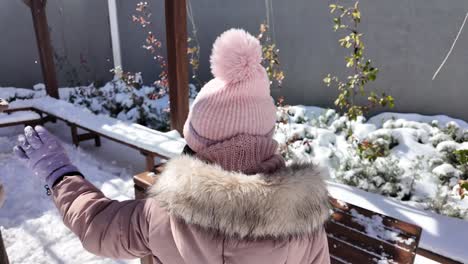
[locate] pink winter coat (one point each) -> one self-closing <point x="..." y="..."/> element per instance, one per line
<point x="198" y="213"/>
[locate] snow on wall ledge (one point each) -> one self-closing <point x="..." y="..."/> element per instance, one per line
<point x="167" y="144"/>
<point x="379" y="119"/>
<point x="441" y="234"/>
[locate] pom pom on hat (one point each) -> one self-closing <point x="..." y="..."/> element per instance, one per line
<point x="236" y="56"/>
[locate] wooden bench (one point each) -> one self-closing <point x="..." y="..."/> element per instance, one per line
<point x="347" y="237"/>
<point x="26" y="117"/>
<point x="150" y="143"/>
<point x="357" y="235"/>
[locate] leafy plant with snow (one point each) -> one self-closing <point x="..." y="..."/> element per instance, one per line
<point x="347" y="18"/>
<point x="372" y="150"/>
<point x="462" y="162"/>
<point x="380" y="176"/>
<point x="462" y="159"/>
<point x="463" y="188"/>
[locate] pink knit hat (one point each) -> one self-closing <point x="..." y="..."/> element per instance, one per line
<point x="237" y="101"/>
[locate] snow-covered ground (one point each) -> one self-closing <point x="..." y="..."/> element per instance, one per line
<point x="32" y="229"/>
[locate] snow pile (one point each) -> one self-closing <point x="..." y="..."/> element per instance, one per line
<point x="406" y="156"/>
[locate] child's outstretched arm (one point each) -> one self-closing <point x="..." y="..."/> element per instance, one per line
<point x="105" y="227"/>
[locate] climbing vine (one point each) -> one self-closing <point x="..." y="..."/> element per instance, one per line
<point x="347" y="19"/>
<point x="152" y="43"/>
<point x="271" y="60"/>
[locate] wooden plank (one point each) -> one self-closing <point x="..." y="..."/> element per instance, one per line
<point x="89" y="136"/>
<point x="146" y="179"/>
<point x="149" y="157"/>
<point x="74" y="134"/>
<point x="409" y="229"/>
<point x="86" y="136"/>
<point x="97" y="141"/>
<point x="436" y="257"/>
<point x="368" y="243"/>
<point x="31" y="122"/>
<point x="11" y="110"/>
<point x="349" y="253"/>
<point x="348" y="220"/>
<point x="44" y="46"/>
<point x="177" y="61"/>
<point x="336" y="260"/>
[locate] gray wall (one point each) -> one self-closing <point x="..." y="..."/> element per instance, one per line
<point x="406" y="39"/>
<point x="80" y="36"/>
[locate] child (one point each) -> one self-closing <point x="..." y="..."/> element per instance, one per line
<point x="232" y="200"/>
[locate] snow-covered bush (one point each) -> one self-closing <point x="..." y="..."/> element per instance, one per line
<point x="438" y="138"/>
<point x="447" y="150"/>
<point x="447" y="173"/>
<point x="416" y="162"/>
<point x="380" y="176"/>
<point x="127" y="99"/>
<point x="443" y="203"/>
<point x="453" y="130"/>
<point x="377" y="144"/>
<point x="12" y="94"/>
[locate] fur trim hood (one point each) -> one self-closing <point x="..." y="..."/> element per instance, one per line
<point x="291" y="202"/>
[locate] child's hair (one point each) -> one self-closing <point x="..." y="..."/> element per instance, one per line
<point x="188" y="151"/>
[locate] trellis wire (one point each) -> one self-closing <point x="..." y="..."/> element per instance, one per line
<point x="451" y="48"/>
<point x="269" y="18"/>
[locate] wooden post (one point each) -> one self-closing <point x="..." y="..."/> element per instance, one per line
<point x="44" y="46"/>
<point x="3" y="254"/>
<point x="176" y="39"/>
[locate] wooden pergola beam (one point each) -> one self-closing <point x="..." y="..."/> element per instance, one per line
<point x="176" y="38"/>
<point x="41" y="28"/>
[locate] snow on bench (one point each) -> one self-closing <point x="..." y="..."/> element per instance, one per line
<point x="20" y="117"/>
<point x="147" y="140"/>
<point x="445" y="236"/>
<point x="3" y="105"/>
<point x="357" y="235"/>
